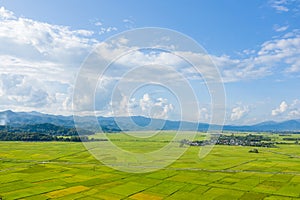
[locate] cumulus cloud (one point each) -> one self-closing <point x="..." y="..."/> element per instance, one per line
<point x="293" y="109"/>
<point x="294" y="113"/>
<point x="287" y="111"/>
<point x="281" y="109"/>
<point x="179" y="61"/>
<point x="238" y="112"/>
<point x="279" y="55"/>
<point x="19" y="90"/>
<point x="6" y="14"/>
<point x="137" y="67"/>
<point x="204" y="114"/>
<point x="155" y="108"/>
<point x="34" y="40"/>
<point x="147" y="106"/>
<point x="294" y="67"/>
<point x="39" y="62"/>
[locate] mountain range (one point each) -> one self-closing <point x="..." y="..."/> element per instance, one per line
<point x="136" y="123"/>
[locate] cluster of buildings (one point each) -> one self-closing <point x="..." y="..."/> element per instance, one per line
<point x="232" y="140"/>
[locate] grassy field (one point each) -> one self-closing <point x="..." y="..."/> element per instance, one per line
<point x="61" y="170"/>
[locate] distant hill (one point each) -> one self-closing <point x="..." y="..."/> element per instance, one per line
<point x="269" y="126"/>
<point x="115" y="124"/>
<point x="20" y="118"/>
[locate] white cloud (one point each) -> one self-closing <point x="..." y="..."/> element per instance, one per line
<point x="147" y="106"/>
<point x="275" y="56"/>
<point x="294" y="113"/>
<point x="133" y="56"/>
<point x="284" y="6"/>
<point x="233" y="70"/>
<point x="281" y="109"/>
<point x="98" y="23"/>
<point x="294" y="109"/>
<point x="145" y="102"/>
<point x="287" y="111"/>
<point x="21" y="90"/>
<point x="155" y="108"/>
<point x="295" y="66"/>
<point x="279" y="55"/>
<point x="43" y="41"/>
<point x="38" y="63"/>
<point x="104" y="29"/>
<point x="280" y="5"/>
<point x="204" y="114"/>
<point x="129" y="22"/>
<point x="238" y="112"/>
<point x="109" y="29"/>
<point x="85" y="33"/>
<point x="278" y="28"/>
<point x="6" y="14"/>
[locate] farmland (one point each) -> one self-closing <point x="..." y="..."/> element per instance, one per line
<point x="66" y="170"/>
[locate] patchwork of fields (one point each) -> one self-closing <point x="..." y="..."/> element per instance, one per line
<point x="61" y="170"/>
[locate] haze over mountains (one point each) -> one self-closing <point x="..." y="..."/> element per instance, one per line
<point x="134" y="123"/>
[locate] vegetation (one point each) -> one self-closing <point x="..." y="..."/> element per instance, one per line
<point x="46" y="128"/>
<point x="6" y="136"/>
<point x="41" y="132"/>
<point x="257" y="140"/>
<point x="66" y="170"/>
<point x="253" y="151"/>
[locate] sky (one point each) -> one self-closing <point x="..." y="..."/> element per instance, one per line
<point x="254" y="45"/>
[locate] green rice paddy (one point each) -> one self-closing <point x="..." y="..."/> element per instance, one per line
<point x="62" y="170"/>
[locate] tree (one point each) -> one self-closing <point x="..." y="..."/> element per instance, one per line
<point x="183" y="142"/>
<point x="253" y="151"/>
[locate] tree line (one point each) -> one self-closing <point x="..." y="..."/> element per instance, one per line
<point x="43" y="132"/>
<point x="21" y="136"/>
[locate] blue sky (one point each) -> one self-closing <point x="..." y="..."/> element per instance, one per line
<point x="254" y="44"/>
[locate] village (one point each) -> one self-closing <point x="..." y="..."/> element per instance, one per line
<point x="232" y="140"/>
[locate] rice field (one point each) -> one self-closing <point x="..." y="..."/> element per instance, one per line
<point x="62" y="170"/>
